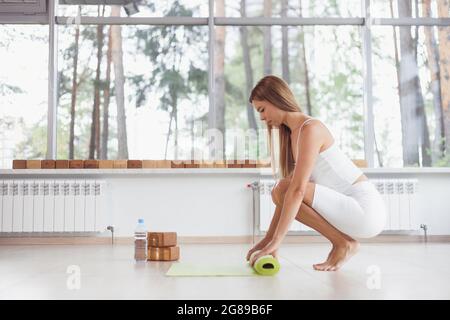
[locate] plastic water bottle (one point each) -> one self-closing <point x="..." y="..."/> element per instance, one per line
<point x="140" y="241"/>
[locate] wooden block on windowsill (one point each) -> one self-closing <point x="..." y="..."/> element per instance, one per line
<point x="90" y="164"/>
<point x="177" y="164"/>
<point x="134" y="164"/>
<point x="206" y="164"/>
<point x="33" y="164"/>
<point x="233" y="163"/>
<point x="156" y="164"/>
<point x="191" y="164"/>
<point x="249" y="163"/>
<point x="120" y="164"/>
<point x="163" y="254"/>
<point x="220" y="164"/>
<point x="19" y="164"/>
<point x="62" y="164"/>
<point x="48" y="164"/>
<point x="76" y="164"/>
<point x="361" y="163"/>
<point x="162" y="239"/>
<point x="263" y="164"/>
<point x="105" y="164"/>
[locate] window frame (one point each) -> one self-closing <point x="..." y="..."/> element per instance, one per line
<point x="365" y="21"/>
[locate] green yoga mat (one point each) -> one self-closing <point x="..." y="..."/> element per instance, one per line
<point x="266" y="266"/>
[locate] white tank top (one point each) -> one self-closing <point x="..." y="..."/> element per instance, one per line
<point x="333" y="168"/>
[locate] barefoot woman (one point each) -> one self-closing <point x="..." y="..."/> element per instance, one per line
<point x="320" y="186"/>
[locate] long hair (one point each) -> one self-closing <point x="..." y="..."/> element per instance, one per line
<point x="276" y="91"/>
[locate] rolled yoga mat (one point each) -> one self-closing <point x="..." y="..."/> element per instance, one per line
<point x="266" y="265"/>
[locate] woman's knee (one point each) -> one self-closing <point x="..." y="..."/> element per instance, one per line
<point x="279" y="191"/>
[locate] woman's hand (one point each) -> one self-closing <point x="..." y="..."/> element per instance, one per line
<point x="257" y="247"/>
<point x="271" y="248"/>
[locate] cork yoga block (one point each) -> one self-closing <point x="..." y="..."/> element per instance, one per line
<point x="220" y="164"/>
<point x="105" y="164"/>
<point x="233" y="163"/>
<point x="191" y="164"/>
<point x="62" y="164"/>
<point x="48" y="164"/>
<point x="90" y="164"/>
<point x="76" y="164"/>
<point x="262" y="163"/>
<point x="177" y="164"/>
<point x="206" y="164"/>
<point x="162" y="239"/>
<point x="249" y="163"/>
<point x="33" y="164"/>
<point x="19" y="164"/>
<point x="134" y="164"/>
<point x="156" y="163"/>
<point x="120" y="164"/>
<point x="163" y="254"/>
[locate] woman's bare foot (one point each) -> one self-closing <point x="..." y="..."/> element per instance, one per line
<point x="338" y="256"/>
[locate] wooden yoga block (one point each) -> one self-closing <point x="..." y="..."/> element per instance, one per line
<point x="120" y="164"/>
<point x="163" y="254"/>
<point x="134" y="164"/>
<point x="191" y="164"/>
<point x="48" y="164"/>
<point x="162" y="239"/>
<point x="105" y="164"/>
<point x="177" y="164"/>
<point x="33" y="164"/>
<point x="220" y="164"/>
<point x="61" y="164"/>
<point x="206" y="164"/>
<point x="76" y="164"/>
<point x="19" y="164"/>
<point x="90" y="164"/>
<point x="249" y="163"/>
<point x="233" y="163"/>
<point x="156" y="164"/>
<point x="262" y="163"/>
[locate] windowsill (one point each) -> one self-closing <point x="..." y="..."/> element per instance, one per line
<point x="257" y="171"/>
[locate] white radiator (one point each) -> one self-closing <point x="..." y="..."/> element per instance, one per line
<point x="399" y="195"/>
<point x="52" y="205"/>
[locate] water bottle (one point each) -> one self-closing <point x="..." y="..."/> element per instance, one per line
<point x="140" y="241"/>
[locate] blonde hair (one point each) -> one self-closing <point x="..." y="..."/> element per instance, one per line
<point x="276" y="91"/>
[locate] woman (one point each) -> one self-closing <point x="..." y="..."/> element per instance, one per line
<point x="320" y="186"/>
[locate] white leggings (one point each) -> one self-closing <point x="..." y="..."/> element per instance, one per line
<point x="359" y="213"/>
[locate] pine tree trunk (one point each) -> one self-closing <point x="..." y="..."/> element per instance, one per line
<point x="248" y="68"/>
<point x="304" y="63"/>
<point x="285" y="44"/>
<point x="444" y="55"/>
<point x="119" y="84"/>
<point x="94" y="145"/>
<point x="216" y="118"/>
<point x="267" y="36"/>
<point x="433" y="65"/>
<point x="106" y="99"/>
<point x="74" y="94"/>
<point x="414" y="126"/>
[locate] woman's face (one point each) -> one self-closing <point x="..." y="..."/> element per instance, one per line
<point x="268" y="112"/>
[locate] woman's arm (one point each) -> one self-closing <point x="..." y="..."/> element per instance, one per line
<point x="309" y="147"/>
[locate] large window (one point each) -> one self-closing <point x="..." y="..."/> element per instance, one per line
<point x="148" y="83"/>
<point x="23" y="92"/>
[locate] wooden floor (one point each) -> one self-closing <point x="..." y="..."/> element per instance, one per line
<point x="378" y="271"/>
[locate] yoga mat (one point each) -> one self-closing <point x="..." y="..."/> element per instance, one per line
<point x="202" y="270"/>
<point x="265" y="266"/>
